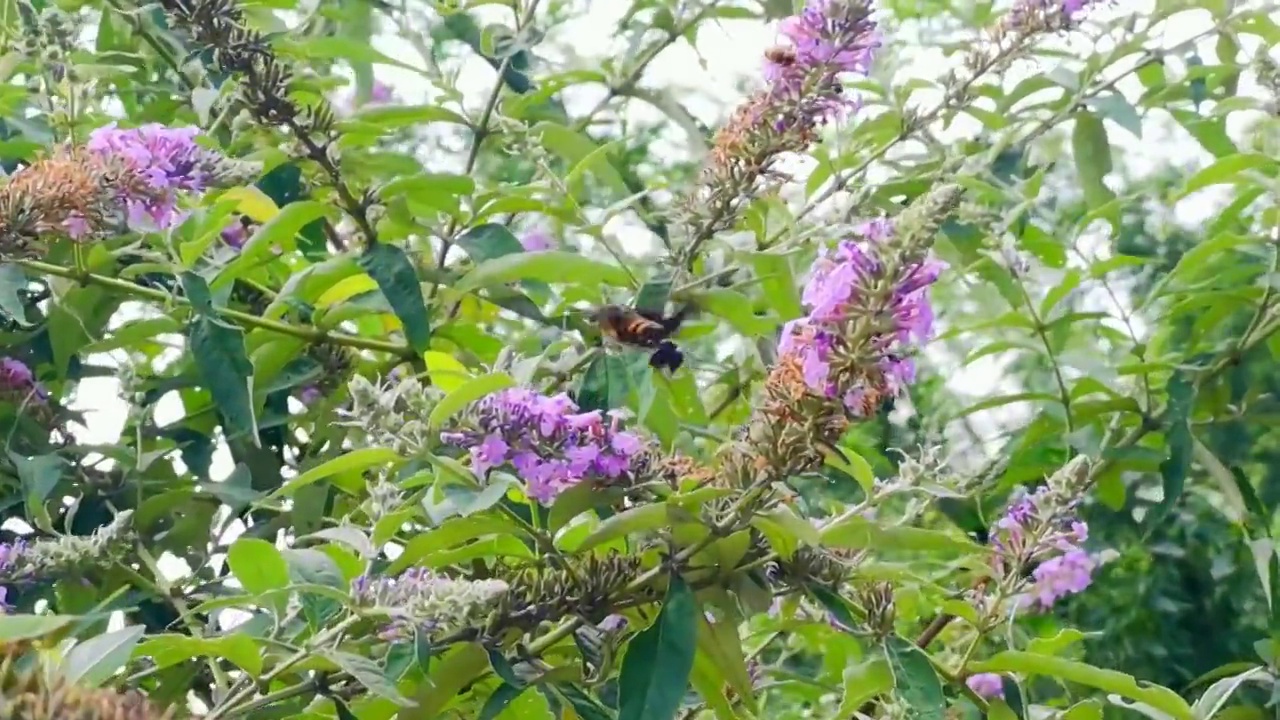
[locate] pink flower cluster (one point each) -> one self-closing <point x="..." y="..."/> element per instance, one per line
<point x="859" y="283"/>
<point x="1035" y="533"/>
<point x="828" y="38"/>
<point x="18" y="384"/>
<point x="167" y="160"/>
<point x="550" y="444"/>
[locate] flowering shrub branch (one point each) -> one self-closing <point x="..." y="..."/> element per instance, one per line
<point x="339" y="493"/>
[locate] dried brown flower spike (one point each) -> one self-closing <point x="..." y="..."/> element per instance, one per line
<point x="28" y="693"/>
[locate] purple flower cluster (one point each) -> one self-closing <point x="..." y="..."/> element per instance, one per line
<point x="857" y="283"/>
<point x="828" y="38"/>
<point x="18" y="384"/>
<point x="986" y="685"/>
<point x="167" y="161"/>
<point x="1036" y="532"/>
<point x="549" y="443"/>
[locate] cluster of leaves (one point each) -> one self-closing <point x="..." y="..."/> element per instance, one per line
<point x="386" y="240"/>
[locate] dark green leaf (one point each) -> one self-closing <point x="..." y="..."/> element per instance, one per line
<point x="488" y="241"/>
<point x="93" y="661"/>
<point x="500" y="700"/>
<point x="390" y="268"/>
<point x="220" y="358"/>
<point x="1092" y="153"/>
<point x="605" y="385"/>
<point x="367" y="673"/>
<point x="39" y="475"/>
<point x="655" y="672"/>
<point x="1173" y="471"/>
<point x="915" y="680"/>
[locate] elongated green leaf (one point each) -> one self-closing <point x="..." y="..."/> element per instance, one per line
<point x="167" y="650"/>
<point x="93" y="661"/>
<point x="915" y="680"/>
<point x="353" y="462"/>
<point x="390" y="268"/>
<point x="281" y="231"/>
<point x="469" y="392"/>
<point x="367" y="673"/>
<point x="1092" y="152"/>
<point x="1016" y="661"/>
<point x="862" y="682"/>
<point x="454" y="671"/>
<point x="1178" y="439"/>
<point x="642" y="518"/>
<point x="488" y="241"/>
<point x="390" y="117"/>
<point x="30" y="627"/>
<point x="856" y="532"/>
<point x="548" y="266"/>
<point x="655" y="671"/>
<point x="1230" y="169"/>
<point x="220" y="358"/>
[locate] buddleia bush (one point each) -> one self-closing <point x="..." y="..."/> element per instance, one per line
<point x="558" y="394"/>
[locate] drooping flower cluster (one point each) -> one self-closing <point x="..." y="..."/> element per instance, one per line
<point x="549" y="443"/>
<point x="1041" y="531"/>
<point x="419" y="599"/>
<point x="392" y="414"/>
<point x="19" y="385"/>
<point x="118" y="179"/>
<point x="861" y="291"/>
<point x="168" y="160"/>
<point x="828" y="40"/>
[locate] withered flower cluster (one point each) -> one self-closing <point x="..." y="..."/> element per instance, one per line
<point x="29" y="693"/>
<point x="119" y="180"/>
<point x="587" y="587"/>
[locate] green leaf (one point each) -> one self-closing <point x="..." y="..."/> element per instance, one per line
<point x="642" y="518"/>
<point x="855" y="466"/>
<point x="280" y="231"/>
<point x="1092" y="153"/>
<point x="39" y="475"/>
<point x="500" y="700"/>
<point x="393" y="117"/>
<point x="778" y="282"/>
<point x="998" y="709"/>
<point x="1173" y="471"/>
<point x="389" y="266"/>
<point x="356" y="461"/>
<point x="549" y="266"/>
<point x="855" y="532"/>
<point x="1228" y="170"/>
<point x="219" y="353"/>
<point x="333" y="47"/>
<point x="862" y="682"/>
<point x="93" y="661"/>
<point x="582" y="154"/>
<point x="169" y="650"/>
<point x="454" y="671"/>
<point x="1016" y="661"/>
<point x="469" y="392"/>
<point x="488" y="241"/>
<point x="720" y="643"/>
<point x="606" y="384"/>
<point x="367" y="673"/>
<point x="31" y="627"/>
<point x="785" y="530"/>
<point x="916" y="682"/>
<point x="13" y="280"/>
<point x="655" y="671"/>
<point x="258" y="565"/>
